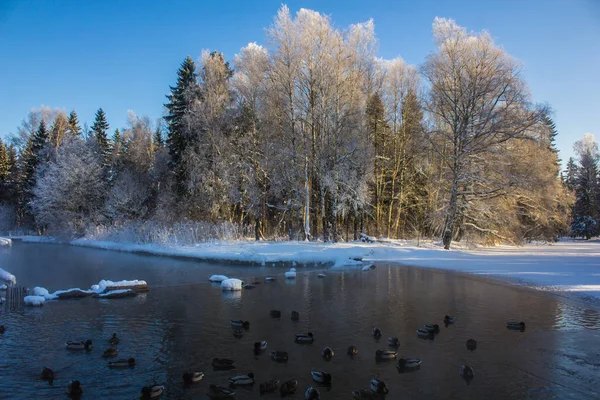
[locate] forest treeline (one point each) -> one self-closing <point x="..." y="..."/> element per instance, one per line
<point x="311" y="137"/>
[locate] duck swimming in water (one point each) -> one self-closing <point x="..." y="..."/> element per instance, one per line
<point x="408" y="364"/>
<point x="312" y="394"/>
<point x="471" y="344"/>
<point x="379" y="386"/>
<point x="517" y="326"/>
<point x="47" y="374"/>
<point x="385" y="354"/>
<point x="321" y="376"/>
<point x="192" y="377"/>
<point x="363" y="394"/>
<point x="218" y="393"/>
<point x="279" y="356"/>
<point x="71" y="345"/>
<point x="114" y="340"/>
<point x="240" y="324"/>
<point x="305" y="338"/>
<point x="327" y="353"/>
<point x="74" y="389"/>
<point x="376" y="333"/>
<point x="393" y="341"/>
<point x="288" y="387"/>
<point x="433" y="328"/>
<point x="260" y="346"/>
<point x="122" y="363"/>
<point x="152" y="392"/>
<point x="269" y="387"/>
<point x="424" y="334"/>
<point x="110" y="352"/>
<point x="223" y="363"/>
<point x="467" y="372"/>
<point x="448" y="320"/>
<point x="242" y="380"/>
<point x="352" y="351"/>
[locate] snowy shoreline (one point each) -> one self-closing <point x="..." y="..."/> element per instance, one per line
<point x="571" y="266"/>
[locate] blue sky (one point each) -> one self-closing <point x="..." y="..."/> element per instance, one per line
<point x="123" y="55"/>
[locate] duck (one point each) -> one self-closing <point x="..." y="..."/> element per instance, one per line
<point x="74" y="389"/>
<point x="288" y="387"/>
<point x="327" y="353"/>
<point x="223" y="363"/>
<point x="275" y="313"/>
<point x="241" y="324"/>
<point x="71" y="345"/>
<point x="295" y="316"/>
<point x="114" y="340"/>
<point x="467" y="372"/>
<point x="424" y="334"/>
<point x="110" y="352"/>
<point x="242" y="380"/>
<point x="305" y="338"/>
<point x="312" y="394"/>
<point x="404" y="364"/>
<point x="217" y="392"/>
<point x="122" y="363"/>
<point x="379" y="386"/>
<point x="363" y="394"/>
<point x="279" y="356"/>
<point x="448" y="320"/>
<point x="152" y="392"/>
<point x="393" y="341"/>
<point x="270" y="279"/>
<point x="376" y="333"/>
<point x="192" y="377"/>
<point x="352" y="351"/>
<point x="47" y="374"/>
<point x="434" y="328"/>
<point x="471" y="344"/>
<point x="321" y="276"/>
<point x="518" y="326"/>
<point x="385" y="354"/>
<point x="260" y="346"/>
<point x="269" y="387"/>
<point x="238" y="333"/>
<point x="321" y="376"/>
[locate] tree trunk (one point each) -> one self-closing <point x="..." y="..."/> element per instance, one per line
<point x="450" y="216"/>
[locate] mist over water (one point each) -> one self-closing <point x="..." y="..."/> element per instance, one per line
<point x="184" y="321"/>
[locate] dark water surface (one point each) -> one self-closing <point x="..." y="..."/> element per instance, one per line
<point x="184" y="321"/>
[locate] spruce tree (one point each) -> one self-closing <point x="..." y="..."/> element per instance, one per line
<point x="73" y="127"/>
<point x="550" y="139"/>
<point x="100" y="129"/>
<point x="587" y="191"/>
<point x="4" y="171"/>
<point x="157" y="139"/>
<point x="570" y="177"/>
<point x="181" y="98"/>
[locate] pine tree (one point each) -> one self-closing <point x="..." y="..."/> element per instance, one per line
<point x="181" y="98"/>
<point x="73" y="127"/>
<point x="157" y="139"/>
<point x="100" y="129"/>
<point x="570" y="177"/>
<point x="550" y="138"/>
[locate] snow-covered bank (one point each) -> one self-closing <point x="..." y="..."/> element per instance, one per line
<point x="570" y="265"/>
<point x="7" y="276"/>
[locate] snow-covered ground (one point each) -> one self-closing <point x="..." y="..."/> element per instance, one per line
<point x="568" y="266"/>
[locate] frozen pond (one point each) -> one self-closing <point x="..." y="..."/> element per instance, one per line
<point x="184" y="321"/>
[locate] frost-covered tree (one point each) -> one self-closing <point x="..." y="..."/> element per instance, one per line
<point x="69" y="195"/>
<point x="100" y="132"/>
<point x="587" y="189"/>
<point x="58" y="129"/>
<point x="477" y="102"/>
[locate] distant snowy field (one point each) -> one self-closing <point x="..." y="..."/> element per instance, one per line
<point x="567" y="266"/>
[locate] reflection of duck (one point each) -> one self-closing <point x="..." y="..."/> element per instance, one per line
<point x="87" y="345"/>
<point x="379" y="386"/>
<point x="152" y="392"/>
<point x="242" y="380"/>
<point x="471" y="344"/>
<point x="467" y="372"/>
<point x="269" y="387"/>
<point x="192" y="377"/>
<point x="74" y="389"/>
<point x="122" y="363"/>
<point x="238" y="333"/>
<point x="363" y="394"/>
<point x="385" y="354"/>
<point x="434" y="328"/>
<point x="223" y="363"/>
<point x="408" y="364"/>
<point x="327" y="353"/>
<point x="275" y="313"/>
<point x="305" y="338"/>
<point x="518" y="326"/>
<point x="376" y="333"/>
<point x="288" y="387"/>
<point x="217" y="392"/>
<point x="114" y="340"/>
<point x="295" y="315"/>
<point x="352" y="351"/>
<point x="312" y="394"/>
<point x="321" y="376"/>
<point x="393" y="342"/>
<point x="279" y="356"/>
